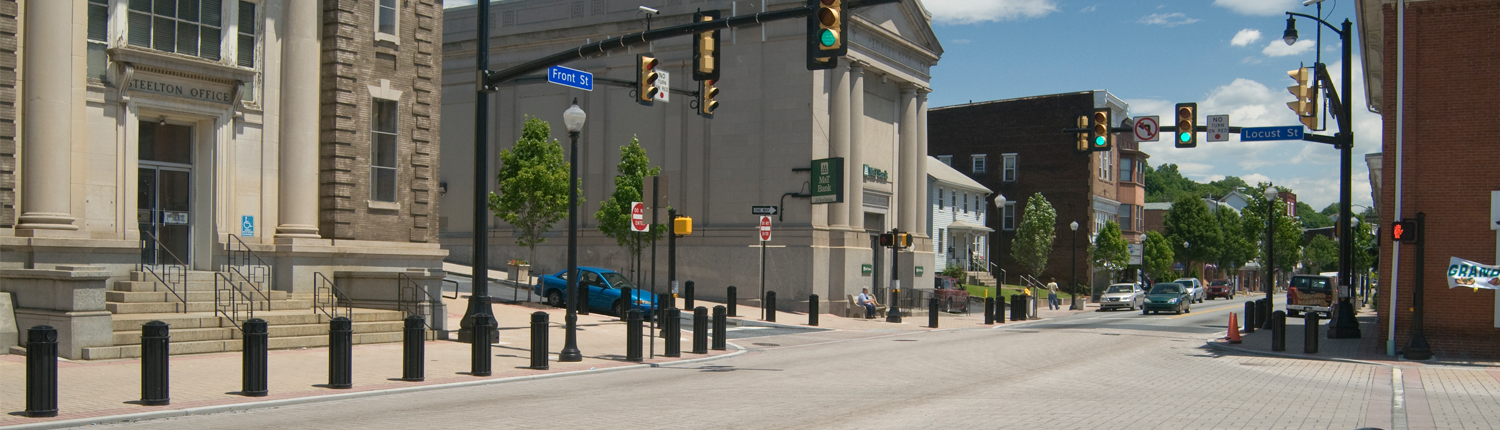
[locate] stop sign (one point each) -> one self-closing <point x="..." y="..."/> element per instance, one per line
<point x="638" y="217"/>
<point x="765" y="228"/>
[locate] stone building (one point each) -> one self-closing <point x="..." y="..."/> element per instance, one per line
<point x="775" y="117"/>
<point x="287" y="138"/>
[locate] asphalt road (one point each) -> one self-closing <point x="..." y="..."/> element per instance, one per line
<point x="1090" y="370"/>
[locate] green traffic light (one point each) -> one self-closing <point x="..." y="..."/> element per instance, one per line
<point x="1185" y="137"/>
<point x="1099" y="140"/>
<point x="828" y="38"/>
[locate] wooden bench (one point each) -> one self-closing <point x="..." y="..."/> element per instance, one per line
<point x="857" y="310"/>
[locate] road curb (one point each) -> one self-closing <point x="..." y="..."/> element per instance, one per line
<point x="1214" y="343"/>
<point x="205" y="410"/>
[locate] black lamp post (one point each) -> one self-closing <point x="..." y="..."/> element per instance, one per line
<point x="1074" y="305"/>
<point x="1269" y="266"/>
<point x="1345" y="326"/>
<point x="573" y="118"/>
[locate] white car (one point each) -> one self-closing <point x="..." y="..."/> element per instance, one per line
<point x="1195" y="287"/>
<point x="1123" y="296"/>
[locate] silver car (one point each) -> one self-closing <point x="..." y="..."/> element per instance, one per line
<point x="1195" y="288"/>
<point x="1122" y="296"/>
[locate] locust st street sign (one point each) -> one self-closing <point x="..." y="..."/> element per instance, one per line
<point x="571" y="78"/>
<point x="1256" y="134"/>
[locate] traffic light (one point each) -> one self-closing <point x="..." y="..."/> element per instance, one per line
<point x="645" y="79"/>
<point x="887" y="240"/>
<point x="1187" y="125"/>
<point x="682" y="226"/>
<point x="1100" y="136"/>
<point x="826" y="29"/>
<point x="707" y="91"/>
<point x="903" y="240"/>
<point x="1405" y="231"/>
<point x="706" y="49"/>
<point x="1081" y="138"/>
<point x="1306" y="105"/>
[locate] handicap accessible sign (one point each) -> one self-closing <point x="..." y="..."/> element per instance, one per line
<point x="247" y="226"/>
<point x="1469" y="274"/>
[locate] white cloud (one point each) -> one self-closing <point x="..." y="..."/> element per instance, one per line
<point x="958" y="12"/>
<point x="1091" y="8"/>
<point x="1277" y="48"/>
<point x="1258" y="7"/>
<point x="1250" y="60"/>
<point x="1167" y="19"/>
<point x="1245" y="37"/>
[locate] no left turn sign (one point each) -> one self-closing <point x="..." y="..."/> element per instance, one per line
<point x="1147" y="128"/>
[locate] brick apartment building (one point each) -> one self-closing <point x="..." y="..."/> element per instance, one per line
<point x="1016" y="148"/>
<point x="1447" y="157"/>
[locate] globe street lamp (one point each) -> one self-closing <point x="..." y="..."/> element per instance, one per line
<point x="1074" y="305"/>
<point x="999" y="209"/>
<point x="1269" y="265"/>
<point x="572" y="118"/>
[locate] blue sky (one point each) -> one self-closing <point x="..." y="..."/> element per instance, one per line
<point x="1226" y="55"/>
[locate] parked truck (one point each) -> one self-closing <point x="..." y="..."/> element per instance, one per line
<point x="1312" y="293"/>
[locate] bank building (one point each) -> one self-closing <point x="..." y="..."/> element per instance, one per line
<point x="201" y="162"/>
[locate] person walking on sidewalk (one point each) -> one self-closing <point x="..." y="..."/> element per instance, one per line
<point x="1052" y="302"/>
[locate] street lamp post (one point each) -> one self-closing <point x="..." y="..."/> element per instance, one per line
<point x="1074" y="305"/>
<point x="573" y="118"/>
<point x="1344" y="326"/>
<point x="1268" y="266"/>
<point x="1000" y="201"/>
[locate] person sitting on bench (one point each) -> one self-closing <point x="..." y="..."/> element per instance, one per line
<point x="868" y="302"/>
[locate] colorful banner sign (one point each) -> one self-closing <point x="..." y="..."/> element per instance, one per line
<point x="1469" y="274"/>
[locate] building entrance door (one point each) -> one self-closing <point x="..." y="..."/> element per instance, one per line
<point x="164" y="193"/>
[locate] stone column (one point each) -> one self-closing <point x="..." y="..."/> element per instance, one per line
<point x="854" y="187"/>
<point x="838" y="136"/>
<point x="922" y="221"/>
<point x="47" y="139"/>
<point x="909" y="183"/>
<point x="300" y="63"/>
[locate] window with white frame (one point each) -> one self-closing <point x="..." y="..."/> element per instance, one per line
<point x="97" y="62"/>
<point x="1008" y="217"/>
<point x="187" y="27"/>
<point x="978" y="163"/>
<point x="387" y="21"/>
<point x="1126" y="215"/>
<point x="1104" y="166"/>
<point x="383" y="126"/>
<point x="941" y="236"/>
<point x="1008" y="164"/>
<point x="245" y="52"/>
<point x="946" y="159"/>
<point x="940" y="199"/>
<point x="1127" y="173"/>
<point x="966" y="202"/>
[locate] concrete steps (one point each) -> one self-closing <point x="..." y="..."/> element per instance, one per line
<point x="205" y="332"/>
<point x="982" y="278"/>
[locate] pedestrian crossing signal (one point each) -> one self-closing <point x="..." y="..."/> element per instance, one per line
<point x="1404" y="231"/>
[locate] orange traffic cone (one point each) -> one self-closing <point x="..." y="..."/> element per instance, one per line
<point x="1234" y="328"/>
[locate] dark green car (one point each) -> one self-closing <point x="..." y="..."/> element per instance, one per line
<point x="1168" y="296"/>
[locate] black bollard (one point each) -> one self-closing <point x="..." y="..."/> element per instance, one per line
<point x="720" y="343"/>
<point x="1278" y="331"/>
<point x="732" y="302"/>
<point x="479" y="350"/>
<point x="41" y="372"/>
<point x="770" y="306"/>
<point x="154" y="371"/>
<point x="254" y="363"/>
<point x="700" y="328"/>
<point x="989" y="310"/>
<point x="1250" y="312"/>
<point x="999" y="309"/>
<point x="413" y="353"/>
<point x="932" y="312"/>
<point x="1310" y="333"/>
<point x="812" y="310"/>
<point x="687" y="295"/>
<point x="673" y="336"/>
<point x="539" y="326"/>
<point x="1017" y="308"/>
<point x="583" y="300"/>
<point x="340" y="353"/>
<point x="633" y="336"/>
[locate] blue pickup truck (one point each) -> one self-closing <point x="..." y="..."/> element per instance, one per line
<point x="604" y="290"/>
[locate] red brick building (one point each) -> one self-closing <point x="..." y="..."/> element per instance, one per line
<point x="1447" y="156"/>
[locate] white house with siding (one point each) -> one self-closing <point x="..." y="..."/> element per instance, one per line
<point x="956" y="206"/>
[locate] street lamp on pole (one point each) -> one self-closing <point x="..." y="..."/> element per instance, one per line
<point x="573" y="118"/>
<point x="1268" y="265"/>
<point x="1073" y="306"/>
<point x="1000" y="201"/>
<point x="1344" y="325"/>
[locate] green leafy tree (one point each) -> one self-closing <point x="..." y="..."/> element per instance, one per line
<point x="1315" y="219"/>
<point x="1193" y="231"/>
<point x="1235" y="250"/>
<point x="1288" y="232"/>
<point x="1364" y="239"/>
<point x="533" y="185"/>
<point x="1110" y="250"/>
<point x="1158" y="256"/>
<point x="1033" y="242"/>
<point x="614" y="213"/>
<point x="1320" y="255"/>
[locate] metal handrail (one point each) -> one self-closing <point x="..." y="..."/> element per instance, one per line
<point x="411" y="305"/>
<point x="325" y="288"/>
<point x="179" y="270"/>
<point x="232" y="302"/>
<point x="455" y="289"/>
<point x="259" y="272"/>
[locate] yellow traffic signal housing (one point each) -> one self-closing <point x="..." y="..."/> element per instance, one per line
<point x="826" y="30"/>
<point x="1081" y="138"/>
<point x="906" y="240"/>
<point x="1187" y="125"/>
<point x="1101" y="138"/>
<point x="1306" y="105"/>
<point x="645" y="79"/>
<point x="706" y="49"/>
<point x="682" y="226"/>
<point x="708" y="92"/>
